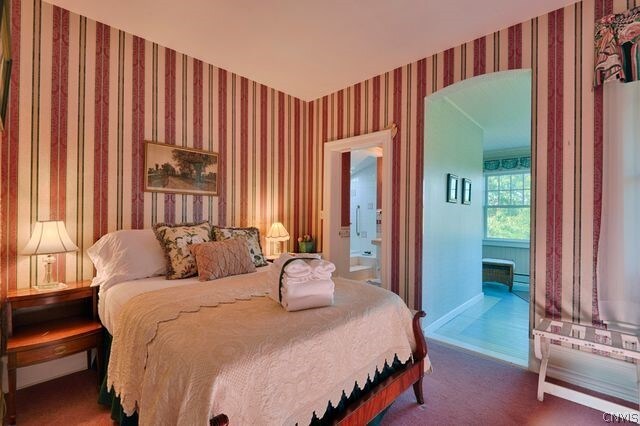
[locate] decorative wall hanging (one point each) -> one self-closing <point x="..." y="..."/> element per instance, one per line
<point x="466" y="191"/>
<point x="452" y="188"/>
<point x="616" y="47"/>
<point x="180" y="170"/>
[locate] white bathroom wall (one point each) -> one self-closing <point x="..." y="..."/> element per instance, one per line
<point x="452" y="251"/>
<point x="363" y="194"/>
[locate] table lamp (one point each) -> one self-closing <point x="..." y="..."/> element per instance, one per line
<point x="49" y="237"/>
<point x="277" y="233"/>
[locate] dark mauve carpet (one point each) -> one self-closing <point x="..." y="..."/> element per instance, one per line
<point x="463" y="389"/>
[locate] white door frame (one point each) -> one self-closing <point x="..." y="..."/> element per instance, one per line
<point x="333" y="248"/>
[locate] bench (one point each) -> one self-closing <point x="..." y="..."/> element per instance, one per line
<point x="578" y="337"/>
<point x="498" y="270"/>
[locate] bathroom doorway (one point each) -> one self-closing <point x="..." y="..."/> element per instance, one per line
<point x="365" y="214"/>
<point x="336" y="215"/>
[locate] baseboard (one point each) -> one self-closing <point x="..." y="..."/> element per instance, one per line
<point x="520" y="286"/>
<point x="452" y="314"/>
<point x="478" y="351"/>
<point x="600" y="374"/>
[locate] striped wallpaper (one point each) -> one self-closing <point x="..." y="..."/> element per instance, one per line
<point x="566" y="143"/>
<point x="84" y="97"/>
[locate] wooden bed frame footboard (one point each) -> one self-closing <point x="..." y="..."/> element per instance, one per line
<point x="384" y="393"/>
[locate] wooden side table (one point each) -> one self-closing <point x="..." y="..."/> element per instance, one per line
<point x="43" y="325"/>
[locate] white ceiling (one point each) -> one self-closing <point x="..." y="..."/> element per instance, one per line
<point x="310" y="48"/>
<point x="500" y="103"/>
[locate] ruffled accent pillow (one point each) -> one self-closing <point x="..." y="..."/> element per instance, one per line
<point x="218" y="259"/>
<point x="252" y="235"/>
<point x="175" y="241"/>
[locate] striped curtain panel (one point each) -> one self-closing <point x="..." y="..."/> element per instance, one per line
<point x="618" y="266"/>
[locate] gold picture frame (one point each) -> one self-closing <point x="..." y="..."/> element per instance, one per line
<point x="180" y="170"/>
<point x="5" y="60"/>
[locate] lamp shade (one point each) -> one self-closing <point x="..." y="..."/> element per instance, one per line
<point x="49" y="237"/>
<point x="277" y="232"/>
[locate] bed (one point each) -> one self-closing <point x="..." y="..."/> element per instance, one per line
<point x="186" y="352"/>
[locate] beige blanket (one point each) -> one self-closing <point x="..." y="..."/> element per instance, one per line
<point x="182" y="355"/>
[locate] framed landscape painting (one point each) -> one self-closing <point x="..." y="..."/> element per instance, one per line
<point x="180" y="170"/>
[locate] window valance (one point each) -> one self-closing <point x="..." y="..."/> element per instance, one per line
<point x="510" y="163"/>
<point x="617" y="56"/>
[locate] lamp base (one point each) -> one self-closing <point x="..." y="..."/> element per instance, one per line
<point x="50" y="286"/>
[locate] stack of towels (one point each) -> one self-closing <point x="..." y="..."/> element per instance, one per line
<point x="306" y="281"/>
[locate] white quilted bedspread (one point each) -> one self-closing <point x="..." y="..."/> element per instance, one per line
<point x="181" y="355"/>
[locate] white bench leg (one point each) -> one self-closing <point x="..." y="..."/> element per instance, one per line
<point x="638" y="381"/>
<point x="544" y="346"/>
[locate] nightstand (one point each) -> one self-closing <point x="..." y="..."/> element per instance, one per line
<point x="43" y="325"/>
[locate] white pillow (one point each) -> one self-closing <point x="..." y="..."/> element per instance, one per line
<point x="125" y="256"/>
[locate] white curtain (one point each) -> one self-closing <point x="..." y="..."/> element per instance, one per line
<point x="619" y="249"/>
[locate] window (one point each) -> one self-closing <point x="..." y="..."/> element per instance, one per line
<point x="507" y="206"/>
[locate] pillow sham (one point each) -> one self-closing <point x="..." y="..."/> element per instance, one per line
<point x="126" y="255"/>
<point x="252" y="235"/>
<point x="219" y="259"/>
<point x="175" y="241"/>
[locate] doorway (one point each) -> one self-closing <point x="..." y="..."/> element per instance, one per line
<point x="365" y="214"/>
<point x="338" y="221"/>
<point x="477" y="218"/>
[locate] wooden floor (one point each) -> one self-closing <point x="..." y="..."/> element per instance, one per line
<point x="497" y="326"/>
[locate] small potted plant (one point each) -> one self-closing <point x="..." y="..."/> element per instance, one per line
<point x="306" y="244"/>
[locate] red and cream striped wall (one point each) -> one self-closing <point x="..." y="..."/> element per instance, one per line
<point x="566" y="143"/>
<point x="84" y="97"/>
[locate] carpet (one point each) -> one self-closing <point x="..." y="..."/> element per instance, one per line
<point x="463" y="389"/>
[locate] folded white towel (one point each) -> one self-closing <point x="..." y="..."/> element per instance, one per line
<point x="287" y="280"/>
<point x="297" y="268"/>
<point x="296" y="275"/>
<point x="287" y="256"/>
<point x="310" y="302"/>
<point x="322" y="269"/>
<point x="308" y="288"/>
<point x="312" y="294"/>
<point x="273" y="277"/>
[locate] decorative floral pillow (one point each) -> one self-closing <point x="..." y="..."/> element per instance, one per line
<point x="175" y="241"/>
<point x="252" y="236"/>
<point x="219" y="259"/>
